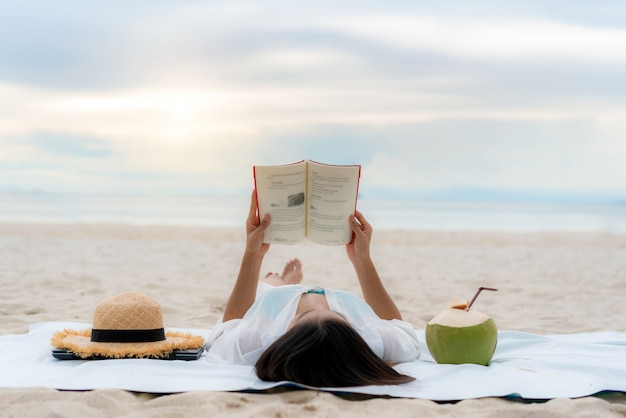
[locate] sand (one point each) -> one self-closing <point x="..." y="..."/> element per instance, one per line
<point x="549" y="283"/>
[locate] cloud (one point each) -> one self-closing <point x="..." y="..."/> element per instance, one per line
<point x="552" y="157"/>
<point x="189" y="95"/>
<point x="504" y="39"/>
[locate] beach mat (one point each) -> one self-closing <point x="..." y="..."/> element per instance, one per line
<point x="528" y="366"/>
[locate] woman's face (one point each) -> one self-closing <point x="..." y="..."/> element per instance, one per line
<point x="317" y="313"/>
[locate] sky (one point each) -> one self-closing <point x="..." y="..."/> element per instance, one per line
<point x="448" y="99"/>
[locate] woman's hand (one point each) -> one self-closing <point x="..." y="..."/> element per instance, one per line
<point x="359" y="248"/>
<point x="255" y="229"/>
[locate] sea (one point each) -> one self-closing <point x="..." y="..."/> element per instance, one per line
<point x="211" y="210"/>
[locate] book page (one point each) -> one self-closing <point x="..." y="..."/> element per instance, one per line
<point x="281" y="192"/>
<point x="332" y="194"/>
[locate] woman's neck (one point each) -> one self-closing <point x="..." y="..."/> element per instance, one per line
<point x="309" y="301"/>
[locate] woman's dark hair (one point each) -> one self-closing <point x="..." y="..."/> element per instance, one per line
<point x="325" y="353"/>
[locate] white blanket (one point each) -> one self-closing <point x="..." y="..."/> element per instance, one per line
<point x="524" y="365"/>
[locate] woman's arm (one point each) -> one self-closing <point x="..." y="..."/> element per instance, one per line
<point x="374" y="291"/>
<point x="244" y="292"/>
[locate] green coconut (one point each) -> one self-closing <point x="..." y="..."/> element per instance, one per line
<point x="458" y="336"/>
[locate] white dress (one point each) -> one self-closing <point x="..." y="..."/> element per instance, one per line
<point x="241" y="341"/>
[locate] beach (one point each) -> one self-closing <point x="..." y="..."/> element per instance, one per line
<point x="548" y="283"/>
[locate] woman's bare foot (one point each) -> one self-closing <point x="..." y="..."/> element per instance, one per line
<point x="292" y="274"/>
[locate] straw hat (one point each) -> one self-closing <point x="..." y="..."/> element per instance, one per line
<point x="129" y="324"/>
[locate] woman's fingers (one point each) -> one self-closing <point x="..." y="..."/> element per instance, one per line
<point x="361" y="218"/>
<point x="252" y="215"/>
<point x="356" y="225"/>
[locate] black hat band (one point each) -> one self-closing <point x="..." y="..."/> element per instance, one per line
<point x="127" y="335"/>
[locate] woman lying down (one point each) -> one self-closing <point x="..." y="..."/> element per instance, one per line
<point x="309" y="335"/>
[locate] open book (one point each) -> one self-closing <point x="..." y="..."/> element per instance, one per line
<point x="307" y="200"/>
